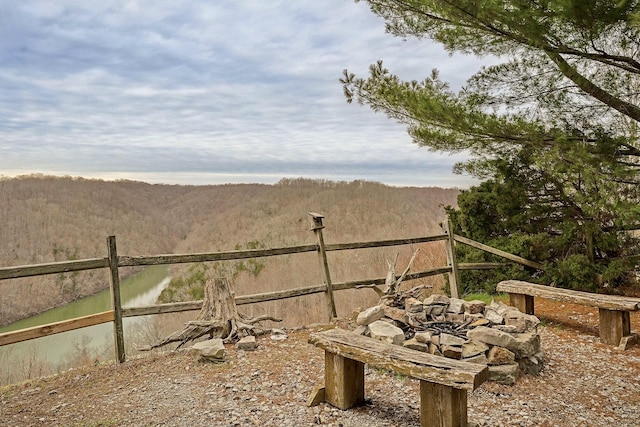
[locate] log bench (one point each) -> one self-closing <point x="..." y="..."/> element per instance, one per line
<point x="614" y="311"/>
<point x="443" y="382"/>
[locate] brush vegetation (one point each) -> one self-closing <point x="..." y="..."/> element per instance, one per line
<point x="47" y="219"/>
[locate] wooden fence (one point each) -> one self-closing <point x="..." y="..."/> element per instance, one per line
<point x="113" y="262"/>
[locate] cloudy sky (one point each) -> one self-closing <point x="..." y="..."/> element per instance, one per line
<point x="207" y="92"/>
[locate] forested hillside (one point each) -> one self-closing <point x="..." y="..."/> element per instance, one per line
<point x="46" y="219"/>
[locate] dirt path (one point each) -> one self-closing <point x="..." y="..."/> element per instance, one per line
<point x="584" y="383"/>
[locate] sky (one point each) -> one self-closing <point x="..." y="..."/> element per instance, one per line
<point x="197" y="92"/>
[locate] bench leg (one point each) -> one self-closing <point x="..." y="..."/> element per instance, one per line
<point x="628" y="341"/>
<point x="343" y="381"/>
<point x="442" y="406"/>
<point x="524" y="303"/>
<point x="614" y="324"/>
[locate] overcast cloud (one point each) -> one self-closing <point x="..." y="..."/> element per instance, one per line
<point x="207" y="92"/>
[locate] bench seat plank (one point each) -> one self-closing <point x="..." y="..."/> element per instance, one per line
<point x="412" y="363"/>
<point x="608" y="302"/>
<point x="614" y="311"/>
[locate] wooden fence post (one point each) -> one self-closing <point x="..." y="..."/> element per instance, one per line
<point x="116" y="302"/>
<point x="324" y="264"/>
<point x="454" y="277"/>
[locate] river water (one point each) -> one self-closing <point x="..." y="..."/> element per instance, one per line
<point x="140" y="289"/>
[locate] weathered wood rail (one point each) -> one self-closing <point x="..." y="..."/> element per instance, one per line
<point x="113" y="262"/>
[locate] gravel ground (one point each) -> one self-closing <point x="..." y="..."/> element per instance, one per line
<point x="584" y="383"/>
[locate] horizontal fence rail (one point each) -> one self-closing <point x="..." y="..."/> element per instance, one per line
<point x="131" y="261"/>
<point x="55" y="328"/>
<point x="52" y="268"/>
<point x="272" y="296"/>
<point x="114" y="262"/>
<point x="126" y="261"/>
<point x="498" y="252"/>
<point x="382" y="243"/>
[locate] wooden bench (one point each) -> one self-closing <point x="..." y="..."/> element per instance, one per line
<point x="614" y="311"/>
<point x="443" y="382"/>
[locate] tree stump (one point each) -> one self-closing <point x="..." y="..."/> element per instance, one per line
<point x="218" y="317"/>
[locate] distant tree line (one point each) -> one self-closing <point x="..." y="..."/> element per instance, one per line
<point x="46" y="219"/>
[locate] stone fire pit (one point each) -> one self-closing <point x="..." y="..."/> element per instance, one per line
<point x="496" y="335"/>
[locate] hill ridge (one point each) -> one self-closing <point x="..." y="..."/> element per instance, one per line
<point x="46" y="219"/>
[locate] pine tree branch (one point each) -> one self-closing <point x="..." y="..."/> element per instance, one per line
<point x="592" y="89"/>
